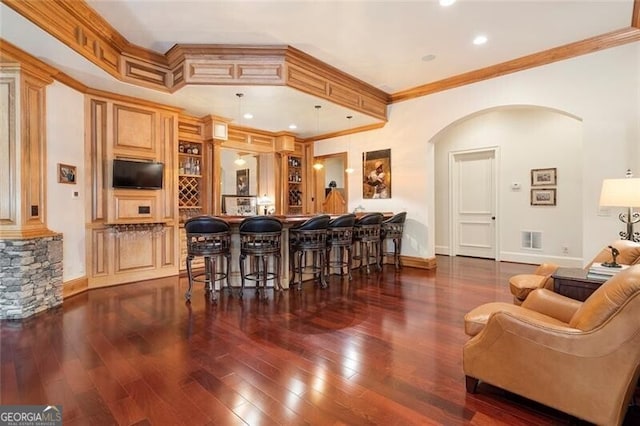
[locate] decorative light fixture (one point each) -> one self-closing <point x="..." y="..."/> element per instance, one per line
<point x="349" y="169"/>
<point x="239" y="161"/>
<point x="623" y="193"/>
<point x="318" y="165"/>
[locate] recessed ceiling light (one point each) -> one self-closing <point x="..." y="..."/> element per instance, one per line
<point x="445" y="3"/>
<point x="480" y="39"/>
<point x="428" y="58"/>
<point x="248" y="115"/>
<point x="293" y="126"/>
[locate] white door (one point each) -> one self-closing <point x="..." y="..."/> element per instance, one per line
<point x="473" y="210"/>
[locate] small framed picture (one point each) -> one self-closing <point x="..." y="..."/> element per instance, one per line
<point x="66" y="173"/>
<point x="543" y="197"/>
<point x="543" y="177"/>
<point x="235" y="205"/>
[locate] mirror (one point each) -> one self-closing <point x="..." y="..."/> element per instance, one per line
<point x="238" y="172"/>
<point x="248" y="174"/>
<point x="331" y="183"/>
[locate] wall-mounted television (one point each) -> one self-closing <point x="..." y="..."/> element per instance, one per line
<point x="137" y="174"/>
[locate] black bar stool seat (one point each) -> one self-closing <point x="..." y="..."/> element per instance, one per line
<point x="392" y="229"/>
<point x="308" y="237"/>
<point x="366" y="238"/>
<point x="340" y="238"/>
<point x="209" y="237"/>
<point x="260" y="241"/>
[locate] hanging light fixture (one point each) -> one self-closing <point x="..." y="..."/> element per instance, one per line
<point x="349" y="169"/>
<point x="240" y="161"/>
<point x="318" y="165"/>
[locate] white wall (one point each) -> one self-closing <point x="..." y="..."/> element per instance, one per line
<point x="557" y="141"/>
<point x="601" y="89"/>
<point x="65" y="144"/>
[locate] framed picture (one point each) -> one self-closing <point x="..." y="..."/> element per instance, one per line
<point x="236" y="205"/>
<point x="242" y="182"/>
<point x="543" y="197"/>
<point x="66" y="173"/>
<point x="376" y="169"/>
<point x="543" y="177"/>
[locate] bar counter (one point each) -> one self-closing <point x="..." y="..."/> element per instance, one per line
<point x="288" y="221"/>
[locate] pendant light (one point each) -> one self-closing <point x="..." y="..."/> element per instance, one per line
<point x="349" y="169"/>
<point x="239" y="161"/>
<point x="318" y="165"/>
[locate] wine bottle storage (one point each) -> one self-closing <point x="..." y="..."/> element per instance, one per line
<point x="189" y="192"/>
<point x="295" y="180"/>
<point x="189" y="179"/>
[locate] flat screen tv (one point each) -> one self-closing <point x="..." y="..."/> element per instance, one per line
<point x="137" y="174"/>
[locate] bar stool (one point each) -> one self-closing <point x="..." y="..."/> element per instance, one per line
<point x="366" y="238"/>
<point x="260" y="240"/>
<point x="309" y="237"/>
<point x="209" y="237"/>
<point x="392" y="229"/>
<point x="340" y="237"/>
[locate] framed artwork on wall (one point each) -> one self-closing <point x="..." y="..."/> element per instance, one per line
<point x="544" y="177"/>
<point x="66" y="173"/>
<point x="543" y="197"/>
<point x="235" y="205"/>
<point x="242" y="182"/>
<point x="376" y="169"/>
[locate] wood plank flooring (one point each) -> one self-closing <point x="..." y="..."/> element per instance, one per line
<point x="384" y="349"/>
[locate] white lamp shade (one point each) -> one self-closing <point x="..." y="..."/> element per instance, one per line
<point x="620" y="192"/>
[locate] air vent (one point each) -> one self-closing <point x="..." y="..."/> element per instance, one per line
<point x="532" y="240"/>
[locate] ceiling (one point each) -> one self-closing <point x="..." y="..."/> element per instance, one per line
<point x="383" y="43"/>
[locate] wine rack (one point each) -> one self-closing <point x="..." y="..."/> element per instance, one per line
<point x="295" y="181"/>
<point x="189" y="179"/>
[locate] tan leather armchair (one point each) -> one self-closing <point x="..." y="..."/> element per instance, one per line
<point x="523" y="284"/>
<point x="582" y="358"/>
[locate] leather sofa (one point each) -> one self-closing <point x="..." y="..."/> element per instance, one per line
<point x="523" y="284"/>
<point x="582" y="358"/>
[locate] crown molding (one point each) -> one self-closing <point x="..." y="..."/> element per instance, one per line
<point x="344" y="132"/>
<point x="589" y="45"/>
<point x="80" y="28"/>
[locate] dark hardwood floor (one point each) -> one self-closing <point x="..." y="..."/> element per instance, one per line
<point x="383" y="349"/>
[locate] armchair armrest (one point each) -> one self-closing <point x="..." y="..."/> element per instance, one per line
<point x="552" y="304"/>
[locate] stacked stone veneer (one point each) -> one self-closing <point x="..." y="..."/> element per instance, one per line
<point x="30" y="276"/>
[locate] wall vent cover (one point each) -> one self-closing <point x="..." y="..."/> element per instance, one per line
<point x="532" y="240"/>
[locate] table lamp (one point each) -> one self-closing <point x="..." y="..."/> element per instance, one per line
<point x="623" y="193"/>
<point x="265" y="202"/>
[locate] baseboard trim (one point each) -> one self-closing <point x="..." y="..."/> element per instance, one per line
<point x="75" y="286"/>
<point x="419" y="262"/>
<point x="536" y="259"/>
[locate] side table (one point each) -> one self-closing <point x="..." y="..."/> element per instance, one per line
<point x="573" y="283"/>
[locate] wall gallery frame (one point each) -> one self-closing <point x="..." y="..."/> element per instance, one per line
<point x="544" y="177"/>
<point x="66" y="173"/>
<point x="543" y="197"/>
<point x="376" y="169"/>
